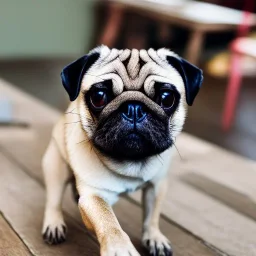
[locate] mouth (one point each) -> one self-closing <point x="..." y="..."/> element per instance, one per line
<point x="134" y="143"/>
<point x="132" y="140"/>
<point x="131" y="147"/>
<point x="134" y="136"/>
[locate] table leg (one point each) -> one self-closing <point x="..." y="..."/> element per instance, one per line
<point x="194" y="46"/>
<point x="112" y="26"/>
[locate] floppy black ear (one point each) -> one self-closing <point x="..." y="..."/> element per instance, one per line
<point x="192" y="76"/>
<point x="72" y="74"/>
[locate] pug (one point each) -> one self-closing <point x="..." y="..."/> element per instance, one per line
<point x="127" y="108"/>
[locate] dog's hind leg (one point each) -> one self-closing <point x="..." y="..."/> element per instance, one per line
<point x="56" y="176"/>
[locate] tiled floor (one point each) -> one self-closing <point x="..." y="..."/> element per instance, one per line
<point x="41" y="78"/>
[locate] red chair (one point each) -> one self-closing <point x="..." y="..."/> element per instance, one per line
<point x="239" y="47"/>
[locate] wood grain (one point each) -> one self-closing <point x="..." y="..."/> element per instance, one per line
<point x="22" y="202"/>
<point x="209" y="219"/>
<point x="232" y="198"/>
<point x="230" y="169"/>
<point x="183" y="243"/>
<point x="10" y="243"/>
<point x="233" y="236"/>
<point x="205" y="216"/>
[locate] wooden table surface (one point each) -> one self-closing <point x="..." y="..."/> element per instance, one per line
<point x="188" y="13"/>
<point x="209" y="209"/>
<point x="198" y="17"/>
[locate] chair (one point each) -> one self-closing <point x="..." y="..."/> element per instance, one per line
<point x="239" y="47"/>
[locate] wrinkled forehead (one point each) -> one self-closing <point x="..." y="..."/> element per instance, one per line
<point x="132" y="70"/>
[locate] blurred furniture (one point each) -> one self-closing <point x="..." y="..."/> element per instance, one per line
<point x="210" y="205"/>
<point x="200" y="18"/>
<point x="219" y="65"/>
<point x="239" y="47"/>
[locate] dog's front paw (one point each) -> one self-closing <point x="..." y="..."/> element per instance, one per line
<point x="156" y="243"/>
<point x="54" y="228"/>
<point x="118" y="245"/>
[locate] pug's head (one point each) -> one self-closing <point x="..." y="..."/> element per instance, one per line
<point x="132" y="103"/>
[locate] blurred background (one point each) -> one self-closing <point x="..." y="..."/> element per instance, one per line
<point x="38" y="38"/>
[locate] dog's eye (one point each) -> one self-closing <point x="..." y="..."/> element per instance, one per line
<point x="99" y="98"/>
<point x="166" y="99"/>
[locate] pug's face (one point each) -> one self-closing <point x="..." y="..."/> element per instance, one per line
<point x="132" y="103"/>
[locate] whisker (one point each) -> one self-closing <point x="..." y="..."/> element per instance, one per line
<point x="74" y="122"/>
<point x="181" y="158"/>
<point x="160" y="159"/>
<point x="81" y="142"/>
<point x="66" y="113"/>
<point x="92" y="149"/>
<point x="72" y="112"/>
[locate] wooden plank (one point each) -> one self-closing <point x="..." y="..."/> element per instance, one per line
<point x="207" y="218"/>
<point x="239" y="202"/>
<point x="23" y="103"/>
<point x="22" y="202"/>
<point x="177" y="208"/>
<point x="217" y="164"/>
<point x="183" y="243"/>
<point x="130" y="220"/>
<point x="10" y="243"/>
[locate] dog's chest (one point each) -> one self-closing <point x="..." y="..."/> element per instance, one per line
<point x="106" y="180"/>
<point x="131" y="185"/>
<point x="127" y="187"/>
<point x="130" y="189"/>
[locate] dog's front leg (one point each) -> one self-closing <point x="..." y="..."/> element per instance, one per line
<point x="99" y="217"/>
<point x="56" y="176"/>
<point x="152" y="238"/>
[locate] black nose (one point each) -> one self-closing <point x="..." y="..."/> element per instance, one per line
<point x="133" y="112"/>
